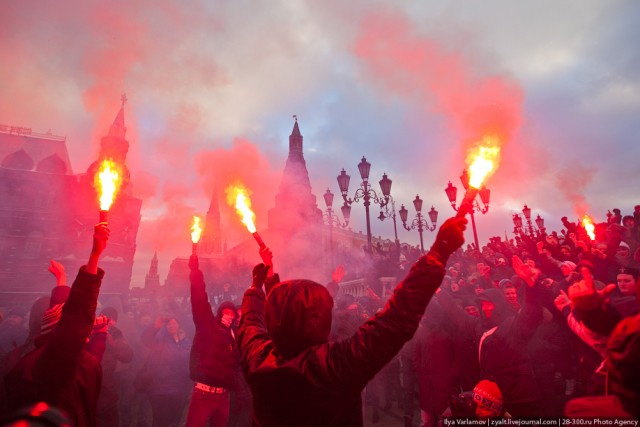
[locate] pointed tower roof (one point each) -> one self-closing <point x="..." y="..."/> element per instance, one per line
<point x="214" y="208"/>
<point x="210" y="242"/>
<point x="295" y="142"/>
<point x="152" y="279"/>
<point x="295" y="196"/>
<point x="118" y="129"/>
<point x="296" y="129"/>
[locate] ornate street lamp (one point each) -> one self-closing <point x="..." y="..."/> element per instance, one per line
<point x="332" y="219"/>
<point x="385" y="212"/>
<point x="364" y="193"/>
<point x="485" y="196"/>
<point x="419" y="221"/>
<point x="528" y="229"/>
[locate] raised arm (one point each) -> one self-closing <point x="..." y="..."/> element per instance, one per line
<point x="70" y="335"/>
<point x="379" y="339"/>
<point x="253" y="337"/>
<point x="200" y="305"/>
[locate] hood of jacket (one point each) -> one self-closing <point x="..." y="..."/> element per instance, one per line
<point x="502" y="308"/>
<point x="298" y="316"/>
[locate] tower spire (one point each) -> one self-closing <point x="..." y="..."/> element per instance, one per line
<point x="152" y="279"/>
<point x="118" y="129"/>
<point x="294" y="195"/>
<point x="295" y="139"/>
<point x="210" y="243"/>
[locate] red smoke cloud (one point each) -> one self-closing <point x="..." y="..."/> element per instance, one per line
<point x="474" y="102"/>
<point x="168" y="232"/>
<point x="243" y="163"/>
<point x="572" y="182"/>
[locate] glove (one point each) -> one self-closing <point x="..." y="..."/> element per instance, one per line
<point x="450" y="237"/>
<point x="100" y="324"/>
<point x="259" y="275"/>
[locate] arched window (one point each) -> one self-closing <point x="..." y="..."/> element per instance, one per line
<point x="18" y="160"/>
<point x="52" y="164"/>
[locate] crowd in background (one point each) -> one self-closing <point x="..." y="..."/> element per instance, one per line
<point x="487" y="326"/>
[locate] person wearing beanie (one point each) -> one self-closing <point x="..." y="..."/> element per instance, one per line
<point x="59" y="371"/>
<point x="567" y="267"/>
<point x="299" y="378"/>
<point x="488" y="400"/>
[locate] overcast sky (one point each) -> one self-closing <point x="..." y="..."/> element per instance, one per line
<point x="407" y="84"/>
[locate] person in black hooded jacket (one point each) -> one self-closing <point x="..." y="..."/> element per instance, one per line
<point x="296" y="376"/>
<point x="214" y="362"/>
<point x="503" y="345"/>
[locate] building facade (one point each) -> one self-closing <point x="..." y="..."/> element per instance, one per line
<point x="48" y="212"/>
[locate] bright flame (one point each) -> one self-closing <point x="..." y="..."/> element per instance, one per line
<point x="238" y="196"/>
<point x="196" y="231"/>
<point x="483" y="160"/>
<point x="587" y="223"/>
<point x="108" y="181"/>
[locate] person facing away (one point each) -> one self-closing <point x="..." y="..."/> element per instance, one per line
<point x="299" y="378"/>
<point x="60" y="371"/>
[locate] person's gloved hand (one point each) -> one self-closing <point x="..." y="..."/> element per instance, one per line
<point x="259" y="275"/>
<point x="100" y="324"/>
<point x="450" y="237"/>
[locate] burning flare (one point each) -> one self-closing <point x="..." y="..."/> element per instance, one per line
<point x="196" y="231"/>
<point x="483" y="160"/>
<point x="108" y="181"/>
<point x="589" y="227"/>
<point x="238" y="196"/>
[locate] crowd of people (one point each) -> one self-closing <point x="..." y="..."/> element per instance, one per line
<point x="544" y="325"/>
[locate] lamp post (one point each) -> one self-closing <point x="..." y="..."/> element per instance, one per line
<point x="484" y="193"/>
<point x="529" y="229"/>
<point x="385" y="213"/>
<point x="365" y="192"/>
<point x="333" y="220"/>
<point x="419" y="221"/>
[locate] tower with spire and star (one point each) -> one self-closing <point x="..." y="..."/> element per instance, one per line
<point x="295" y="207"/>
<point x="152" y="279"/>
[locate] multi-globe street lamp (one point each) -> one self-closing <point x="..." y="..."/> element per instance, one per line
<point x="365" y="193"/>
<point x="419" y="221"/>
<point x="385" y="212"/>
<point x="529" y="229"/>
<point x="332" y="219"/>
<point x="484" y="193"/>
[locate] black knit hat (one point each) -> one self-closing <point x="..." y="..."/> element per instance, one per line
<point x="627" y="270"/>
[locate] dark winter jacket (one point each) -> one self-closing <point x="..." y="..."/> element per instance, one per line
<point x="623" y="354"/>
<point x="321" y="384"/>
<point x="434" y="360"/>
<point x="215" y="357"/>
<point x="503" y="348"/>
<point x="169" y="360"/>
<point x="60" y="371"/>
<point x="117" y="350"/>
